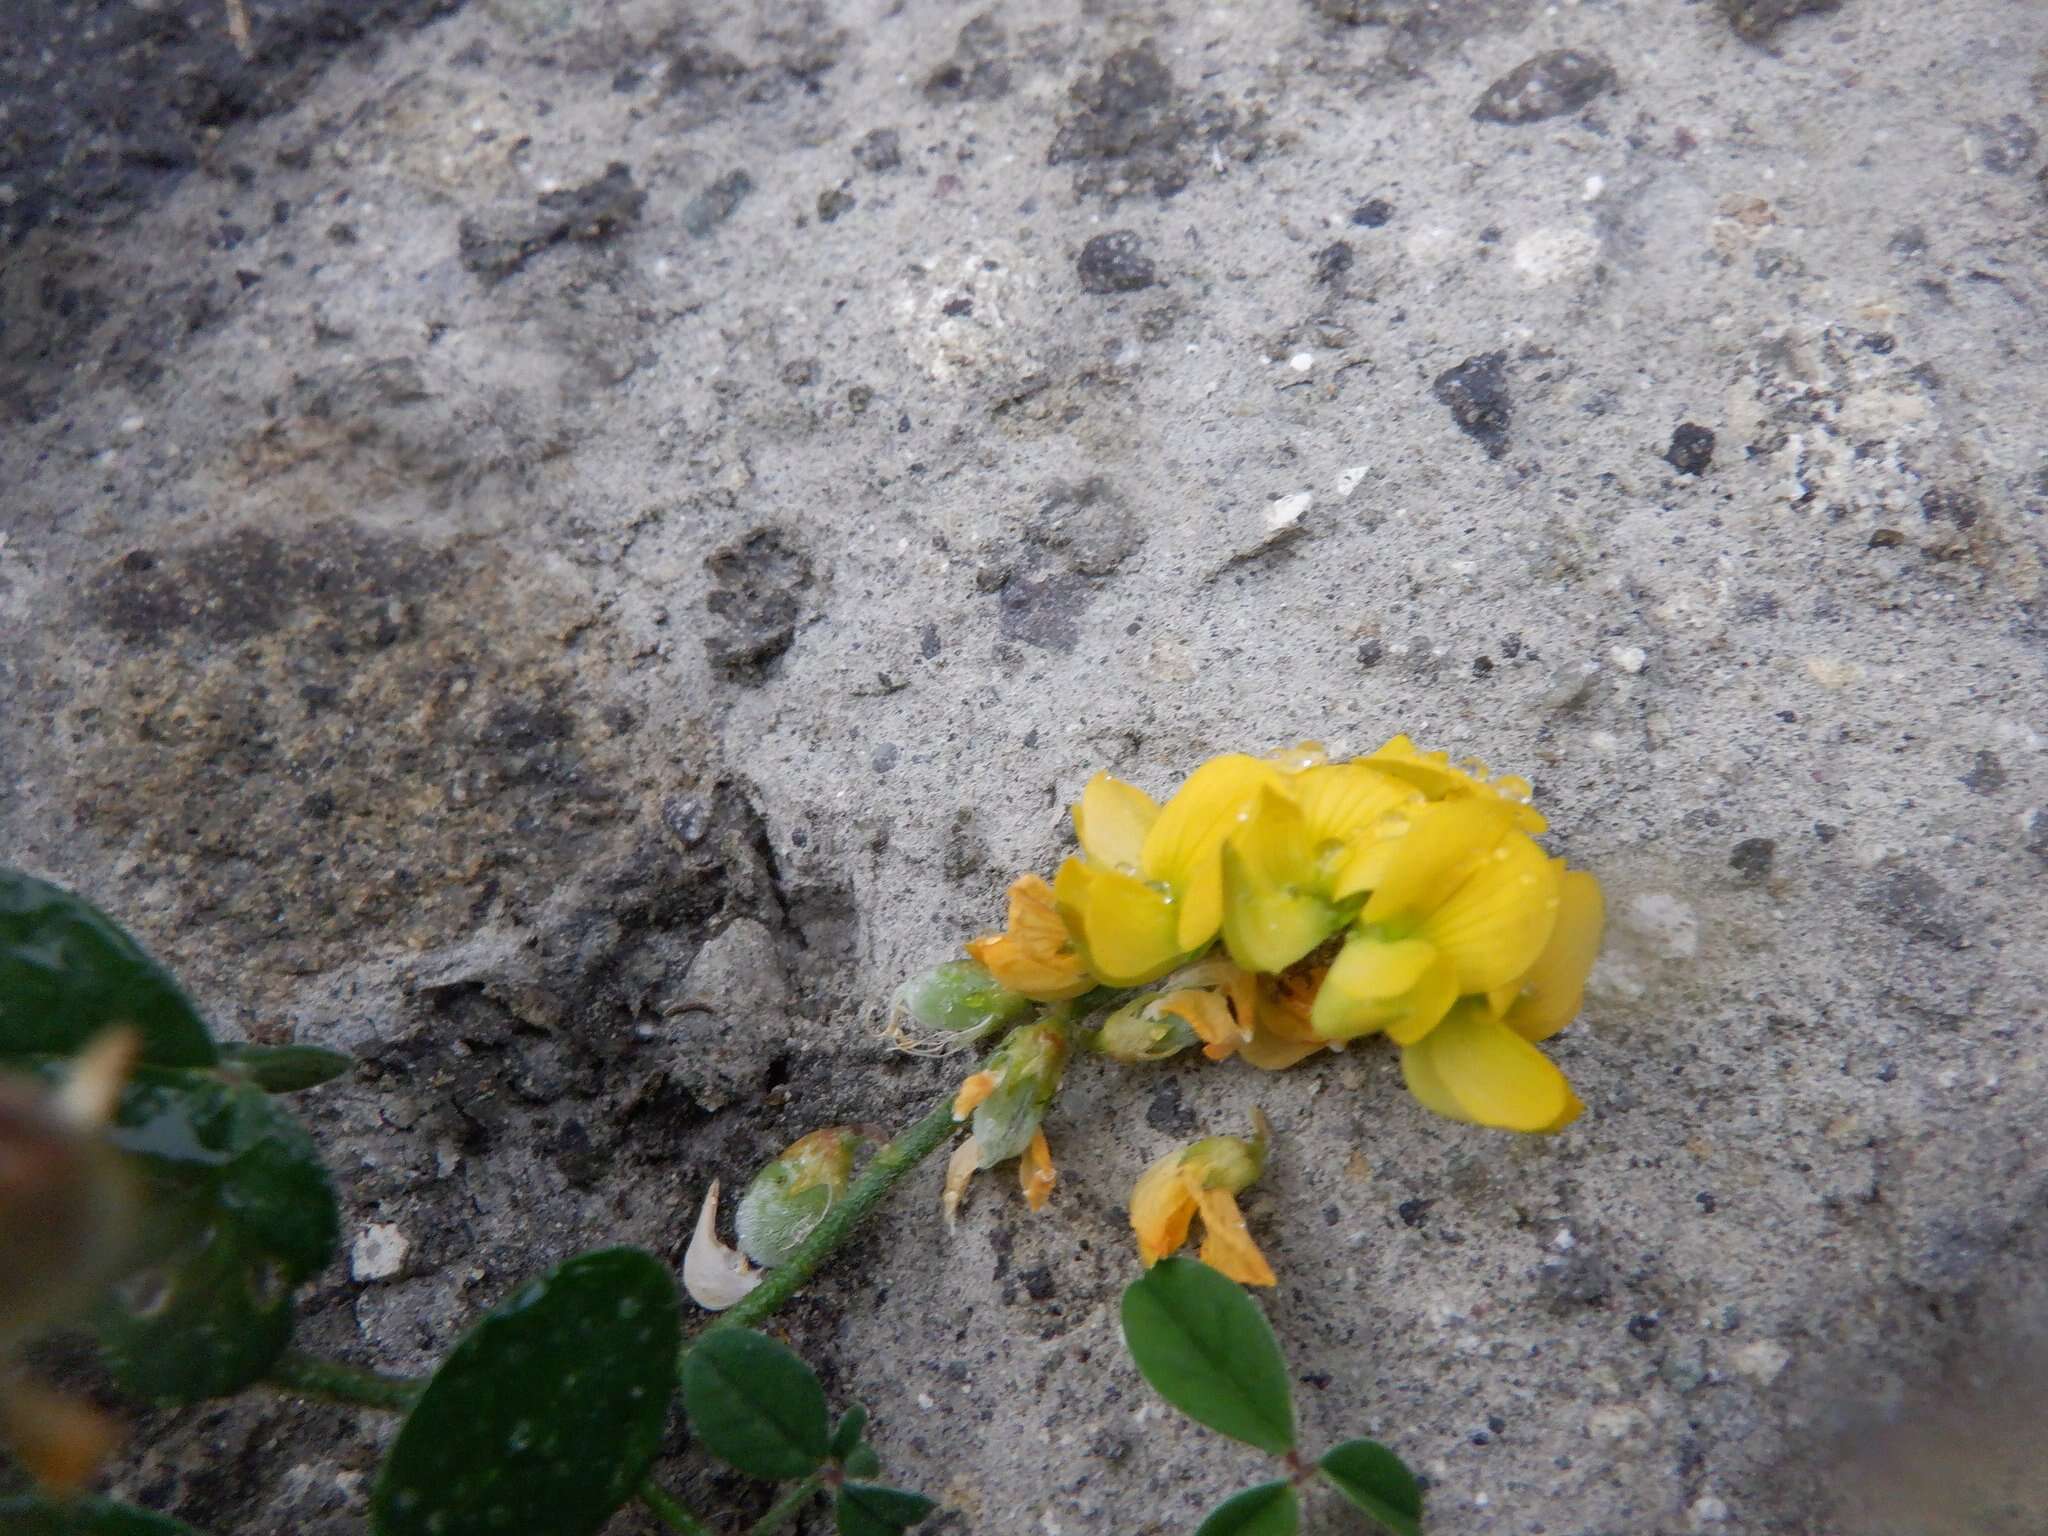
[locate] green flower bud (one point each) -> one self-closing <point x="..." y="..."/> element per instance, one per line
<point x="1135" y="1033"/>
<point x="1228" y="1162"/>
<point x="1027" y="1068"/>
<point x="958" y="999"/>
<point x="790" y="1196"/>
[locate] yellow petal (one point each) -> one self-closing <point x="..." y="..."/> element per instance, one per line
<point x="1227" y="1244"/>
<point x="1035" y="955"/>
<point x="961" y="1168"/>
<point x="58" y="1440"/>
<point x="1126" y="927"/>
<point x="1209" y="1016"/>
<point x="1493" y="927"/>
<point x="1184" y="847"/>
<point x="1275" y="1053"/>
<point x="1035" y="1173"/>
<point x="1162" y="1206"/>
<point x="977" y="1087"/>
<point x="1271" y="914"/>
<point x="1382" y="984"/>
<point x="1433" y="774"/>
<point x="1411" y="872"/>
<point x="1346" y="802"/>
<point x="1552" y="990"/>
<point x="1111" y="821"/>
<point x="1475" y="1069"/>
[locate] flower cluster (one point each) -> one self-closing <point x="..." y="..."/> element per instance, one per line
<point x="1276" y="906"/>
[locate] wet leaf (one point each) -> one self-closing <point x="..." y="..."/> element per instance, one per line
<point x="240" y="1214"/>
<point x="84" y="1517"/>
<point x="68" y="972"/>
<point x="544" y="1418"/>
<point x="869" y="1509"/>
<point x="756" y="1404"/>
<point x="285" y="1068"/>
<point x="1378" y="1482"/>
<point x="1271" y="1509"/>
<point x="1206" y="1348"/>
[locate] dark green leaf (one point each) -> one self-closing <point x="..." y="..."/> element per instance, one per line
<point x="285" y="1068"/>
<point x="67" y="972"/>
<point x="848" y="1434"/>
<point x="868" y="1509"/>
<point x="241" y="1214"/>
<point x="544" y="1418"/>
<point x="1271" y="1509"/>
<point x="1206" y="1348"/>
<point x="756" y="1404"/>
<point x="1378" y="1482"/>
<point x="862" y="1461"/>
<point x="84" y="1517"/>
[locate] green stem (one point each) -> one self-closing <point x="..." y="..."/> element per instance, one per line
<point x="784" y="1509"/>
<point x="913" y="1144"/>
<point x="670" y="1511"/>
<point x="312" y="1376"/>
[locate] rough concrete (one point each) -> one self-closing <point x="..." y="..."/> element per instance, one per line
<point x="572" y="486"/>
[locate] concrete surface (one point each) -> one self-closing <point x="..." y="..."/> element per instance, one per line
<point x="570" y="545"/>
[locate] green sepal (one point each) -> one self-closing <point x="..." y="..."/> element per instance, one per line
<point x="1028" y="1066"/>
<point x="547" y="1414"/>
<point x="1378" y="1482"/>
<point x="1271" y="1509"/>
<point x="869" y="1509"/>
<point x="756" y="1405"/>
<point x="69" y="972"/>
<point x="1205" y="1347"/>
<point x="284" y="1068"/>
<point x="959" y="997"/>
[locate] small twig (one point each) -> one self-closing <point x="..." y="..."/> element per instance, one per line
<point x="312" y="1376"/>
<point x="670" y="1511"/>
<point x="785" y="1508"/>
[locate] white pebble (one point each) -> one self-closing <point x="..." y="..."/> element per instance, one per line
<point x="1301" y="362"/>
<point x="1285" y="511"/>
<point x="379" y="1252"/>
<point x="1630" y="658"/>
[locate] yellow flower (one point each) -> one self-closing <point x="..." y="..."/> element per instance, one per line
<point x="1035" y="955"/>
<point x="1204" y="1179"/>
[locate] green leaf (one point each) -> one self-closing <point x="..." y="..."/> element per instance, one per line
<point x="1378" y="1482"/>
<point x="1271" y="1509"/>
<point x="862" y="1461"/>
<point x="545" y="1417"/>
<point x="848" y="1434"/>
<point x="239" y="1213"/>
<point x="869" y="1509"/>
<point x="285" y="1068"/>
<point x="84" y="1517"/>
<point x="756" y="1404"/>
<point x="68" y="971"/>
<point x="1206" y="1348"/>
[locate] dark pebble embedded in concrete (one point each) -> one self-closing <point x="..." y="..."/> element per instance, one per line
<point x="1115" y="263"/>
<point x="1373" y="213"/>
<point x="881" y="150"/>
<point x="832" y="202"/>
<point x="1549" y="85"/>
<point x="1333" y="261"/>
<point x="716" y="203"/>
<point x="1477" y="394"/>
<point x="1753" y="857"/>
<point x="1759" y="20"/>
<point x="1691" y="450"/>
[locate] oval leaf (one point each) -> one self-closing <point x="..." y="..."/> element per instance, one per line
<point x="1206" y="1348"/>
<point x="1271" y="1509"/>
<point x="241" y="1215"/>
<point x="852" y="1426"/>
<point x="1378" y="1482"/>
<point x="84" y="1517"/>
<point x="68" y="971"/>
<point x="869" y="1509"/>
<point x="545" y="1417"/>
<point x="285" y="1068"/>
<point x="756" y="1404"/>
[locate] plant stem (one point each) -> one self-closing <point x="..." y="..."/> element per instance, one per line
<point x="669" y="1510"/>
<point x="785" y="1508"/>
<point x="913" y="1144"/>
<point x="312" y="1376"/>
